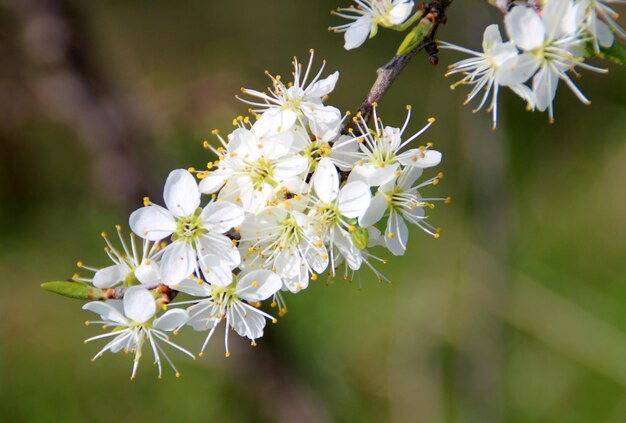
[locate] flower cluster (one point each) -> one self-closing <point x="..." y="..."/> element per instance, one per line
<point x="288" y="198"/>
<point x="547" y="40"/>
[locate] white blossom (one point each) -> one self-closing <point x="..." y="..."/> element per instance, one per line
<point x="133" y="323"/>
<point x="195" y="232"/>
<point x="368" y="15"/>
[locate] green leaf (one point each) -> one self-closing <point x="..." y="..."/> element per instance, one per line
<point x="415" y="37"/>
<point x="78" y="290"/>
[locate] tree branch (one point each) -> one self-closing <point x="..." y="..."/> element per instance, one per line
<point x="435" y="11"/>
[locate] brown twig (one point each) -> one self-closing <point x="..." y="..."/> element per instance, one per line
<point x="387" y="74"/>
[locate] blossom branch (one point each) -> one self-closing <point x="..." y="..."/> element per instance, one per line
<point x="435" y="13"/>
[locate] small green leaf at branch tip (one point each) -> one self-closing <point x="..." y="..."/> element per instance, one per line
<point x="78" y="290"/>
<point x="616" y="53"/>
<point x="415" y="36"/>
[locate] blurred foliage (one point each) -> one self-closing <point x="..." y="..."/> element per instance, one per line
<point x="517" y="314"/>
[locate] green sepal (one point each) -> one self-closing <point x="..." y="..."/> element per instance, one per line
<point x="78" y="290"/>
<point x="415" y="36"/>
<point x="403" y="27"/>
<point x="616" y="53"/>
<point x="361" y="237"/>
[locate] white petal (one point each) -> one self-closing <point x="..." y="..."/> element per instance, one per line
<point x="322" y="87"/>
<point x="316" y="257"/>
<point x="148" y="274"/>
<point x="545" y="83"/>
<point x="397" y="234"/>
<point x="553" y="14"/>
<point x="195" y="288"/>
<point x="152" y="223"/>
<point x="400" y="12"/>
<point x="246" y="322"/>
<point x="375" y="211"/>
<point x="418" y="158"/>
<point x="290" y="166"/>
<point x="216" y="271"/>
<point x="220" y="216"/>
<point x="491" y="37"/>
<point x="274" y="121"/>
<point x="139" y="304"/>
<point x="181" y="193"/>
<point x="324" y="121"/>
<point x="171" y="320"/>
<point x="357" y="33"/>
<point x="354" y="199"/>
<point x="326" y="180"/>
<point x="221" y="246"/>
<point x="110" y="276"/>
<point x="345" y="245"/>
<point x="517" y="70"/>
<point x="604" y="34"/>
<point x="107" y="311"/>
<point x="178" y="262"/>
<point x="525" y="28"/>
<point x="258" y="285"/>
<point x="213" y="182"/>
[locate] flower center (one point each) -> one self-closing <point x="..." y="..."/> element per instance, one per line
<point x="261" y="172"/>
<point x="189" y="228"/>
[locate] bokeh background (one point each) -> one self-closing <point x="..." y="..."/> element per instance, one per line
<point x="516" y="314"/>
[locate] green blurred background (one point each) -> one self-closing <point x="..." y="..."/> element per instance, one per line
<point x="516" y="314"/>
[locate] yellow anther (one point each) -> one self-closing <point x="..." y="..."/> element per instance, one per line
<point x="255" y="284"/>
<point x="448" y="200"/>
<point x="146" y="201"/>
<point x="253" y="344"/>
<point x="274" y="320"/>
<point x="103" y="234"/>
<point x="87" y="322"/>
<point x="226" y="354"/>
<point x="191" y="169"/>
<point x="282" y="312"/>
<point x="390" y="235"/>
<point x="177" y="374"/>
<point x="374" y="104"/>
<point x="431" y="120"/>
<point x="313" y="277"/>
<point x="79" y="264"/>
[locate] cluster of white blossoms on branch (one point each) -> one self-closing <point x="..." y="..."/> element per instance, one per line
<point x="548" y="39"/>
<point x="290" y="197"/>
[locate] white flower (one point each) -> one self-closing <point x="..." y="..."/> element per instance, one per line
<point x="368" y="15"/>
<point x="337" y="210"/>
<point x="252" y="168"/>
<point x="300" y="102"/>
<point x="552" y="47"/>
<point x="489" y="70"/>
<point x="402" y="201"/>
<point x="131" y="264"/>
<point x="133" y="323"/>
<point x="601" y="21"/>
<point x="282" y="240"/>
<point x="380" y="157"/>
<point x="230" y="300"/>
<point x="196" y="232"/>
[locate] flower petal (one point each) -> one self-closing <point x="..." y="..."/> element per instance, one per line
<point x="525" y="28"/>
<point x="181" y="193"/>
<point x="216" y="271"/>
<point x="178" y="262"/>
<point x="322" y="87"/>
<point x="148" y="273"/>
<point x="107" y="311"/>
<point x="375" y="211"/>
<point x="354" y="199"/>
<point x="171" y="320"/>
<point x="152" y="223"/>
<point x="139" y="304"/>
<point x="258" y="285"/>
<point x="220" y="216"/>
<point x="110" y="276"/>
<point x="397" y="234"/>
<point x="326" y="180"/>
<point x="420" y="158"/>
<point x="357" y="33"/>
